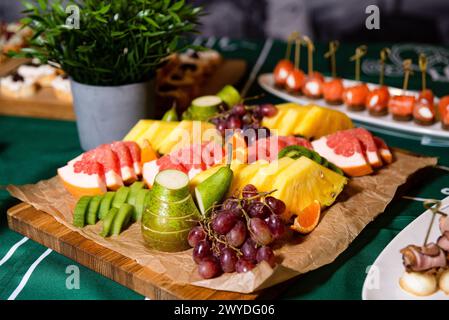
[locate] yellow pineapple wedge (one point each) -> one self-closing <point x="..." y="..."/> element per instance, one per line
<point x="139" y="128"/>
<point x="280" y="119"/>
<point x="266" y="174"/>
<point x="303" y="182"/>
<point x="186" y="133"/>
<point x="245" y="174"/>
<point x="163" y="129"/>
<point x="320" y="121"/>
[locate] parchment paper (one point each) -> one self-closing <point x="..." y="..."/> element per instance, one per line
<point x="361" y="201"/>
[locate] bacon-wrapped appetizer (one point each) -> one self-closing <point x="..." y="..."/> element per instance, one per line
<point x="333" y="91"/>
<point x="443" y="108"/>
<point x="377" y="101"/>
<point x="423" y="110"/>
<point x="281" y="71"/>
<point x="355" y="97"/>
<point x="313" y="85"/>
<point x="401" y="107"/>
<point x="296" y="77"/>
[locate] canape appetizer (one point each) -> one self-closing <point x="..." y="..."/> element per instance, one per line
<point x="377" y="99"/>
<point x="401" y="106"/>
<point x="313" y="84"/>
<point x="423" y="110"/>
<point x="333" y="89"/>
<point x="296" y="77"/>
<point x="355" y="97"/>
<point x="443" y="108"/>
<point x="16" y="86"/>
<point x="284" y="66"/>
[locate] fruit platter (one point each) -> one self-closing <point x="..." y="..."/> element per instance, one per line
<point x="225" y="195"/>
<point x="375" y="105"/>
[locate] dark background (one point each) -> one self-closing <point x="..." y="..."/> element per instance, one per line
<point x="424" y="21"/>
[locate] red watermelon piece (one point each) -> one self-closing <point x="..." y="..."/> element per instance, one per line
<point x="344" y="150"/>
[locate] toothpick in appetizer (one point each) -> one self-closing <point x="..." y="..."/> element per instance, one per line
<point x="296" y="77"/>
<point x="401" y="106"/>
<point x="355" y="97"/>
<point x="377" y="99"/>
<point x="333" y="89"/>
<point x="313" y="85"/>
<point x="424" y="110"/>
<point x="284" y="66"/>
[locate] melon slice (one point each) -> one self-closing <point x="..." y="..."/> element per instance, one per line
<point x="345" y="151"/>
<point x="369" y="146"/>
<point x="161" y="130"/>
<point x="139" y="128"/>
<point x="280" y="119"/>
<point x="126" y="161"/>
<point x="87" y="179"/>
<point x="384" y="151"/>
<point x="303" y="182"/>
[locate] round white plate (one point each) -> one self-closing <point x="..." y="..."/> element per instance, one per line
<point x="434" y="131"/>
<point x="382" y="281"/>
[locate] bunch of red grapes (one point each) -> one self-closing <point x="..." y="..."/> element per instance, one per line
<point x="238" y="234"/>
<point x="245" y="117"/>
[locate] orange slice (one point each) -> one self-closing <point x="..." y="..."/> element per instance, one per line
<point x="147" y="152"/>
<point x="308" y="218"/>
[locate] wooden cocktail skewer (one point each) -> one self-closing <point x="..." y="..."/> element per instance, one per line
<point x="359" y="53"/>
<point x="333" y="46"/>
<point x="292" y="37"/>
<point x="423" y="68"/>
<point x="296" y="77"/>
<point x="407" y="65"/>
<point x="310" y="50"/>
<point x="384" y="53"/>
<point x="423" y="110"/>
<point x="297" y="51"/>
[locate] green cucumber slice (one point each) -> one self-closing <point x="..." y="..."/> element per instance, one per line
<point x="106" y="204"/>
<point x="107" y="222"/>
<point x="140" y="204"/>
<point x="213" y="189"/>
<point x="133" y="189"/>
<point x="92" y="212"/>
<point x="79" y="214"/>
<point x="120" y="197"/>
<point x="122" y="218"/>
<point x="205" y="107"/>
<point x="229" y="95"/>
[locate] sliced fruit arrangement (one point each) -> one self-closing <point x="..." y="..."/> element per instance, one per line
<point x="108" y="166"/>
<point x="309" y="121"/>
<point x="167" y="136"/>
<point x="117" y="209"/>
<point x="355" y="151"/>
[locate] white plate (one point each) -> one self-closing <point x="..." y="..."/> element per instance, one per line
<point x="382" y="281"/>
<point x="434" y="131"/>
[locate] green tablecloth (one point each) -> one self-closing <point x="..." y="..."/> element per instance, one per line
<point x="32" y="149"/>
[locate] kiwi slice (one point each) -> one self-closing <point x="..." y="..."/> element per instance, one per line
<point x="107" y="222"/>
<point x="140" y="203"/>
<point x="92" y="212"/>
<point x="133" y="189"/>
<point x="122" y="218"/>
<point x="79" y="215"/>
<point x="120" y="197"/>
<point x="106" y="204"/>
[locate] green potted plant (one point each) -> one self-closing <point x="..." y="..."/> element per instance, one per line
<point x="110" y="49"/>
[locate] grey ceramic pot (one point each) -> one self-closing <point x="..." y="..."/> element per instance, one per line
<point x="105" y="114"/>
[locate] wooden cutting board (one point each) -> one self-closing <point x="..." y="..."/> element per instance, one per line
<point x="43" y="228"/>
<point x="45" y="104"/>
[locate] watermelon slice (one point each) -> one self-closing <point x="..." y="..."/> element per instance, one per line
<point x="126" y="162"/>
<point x="344" y="150"/>
<point x="384" y="151"/>
<point x="268" y="148"/>
<point x="369" y="146"/>
<point x="135" y="152"/>
<point x="110" y="162"/>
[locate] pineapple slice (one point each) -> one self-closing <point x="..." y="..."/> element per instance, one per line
<point x="139" y="128"/>
<point x="278" y="121"/>
<point x="304" y="181"/>
<point x="163" y="130"/>
<point x="244" y="175"/>
<point x="189" y="132"/>
<point x="266" y="174"/>
<point x="321" y="121"/>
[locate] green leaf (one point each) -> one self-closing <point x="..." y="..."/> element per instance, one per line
<point x="177" y="5"/>
<point x="42" y="4"/>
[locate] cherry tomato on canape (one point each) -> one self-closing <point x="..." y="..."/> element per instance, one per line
<point x="401" y="107"/>
<point x="281" y="71"/>
<point x="355" y="97"/>
<point x="443" y="108"/>
<point x="313" y="85"/>
<point x="423" y="109"/>
<point x="377" y="101"/>
<point x="333" y="91"/>
<point x="295" y="80"/>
